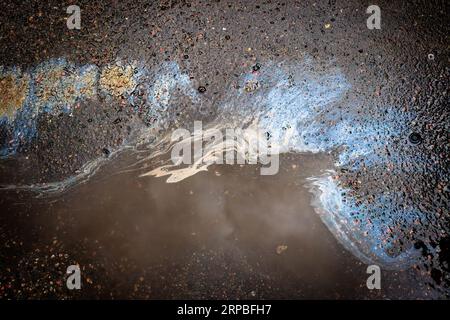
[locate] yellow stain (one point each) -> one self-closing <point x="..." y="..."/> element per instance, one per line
<point x="13" y="92"/>
<point x="56" y="86"/>
<point x="117" y="80"/>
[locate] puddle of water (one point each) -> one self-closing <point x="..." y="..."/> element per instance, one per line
<point x="224" y="233"/>
<point x="262" y="228"/>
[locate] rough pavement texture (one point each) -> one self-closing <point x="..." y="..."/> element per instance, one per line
<point x="398" y="75"/>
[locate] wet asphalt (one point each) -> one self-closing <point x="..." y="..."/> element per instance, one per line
<point x="124" y="251"/>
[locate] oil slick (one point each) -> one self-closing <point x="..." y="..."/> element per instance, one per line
<point x="217" y="145"/>
<point x="356" y="232"/>
<point x="13" y="92"/>
<point x="299" y="105"/>
<point x="53" y="87"/>
<point x="117" y="80"/>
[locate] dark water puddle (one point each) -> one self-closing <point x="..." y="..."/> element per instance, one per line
<point x="224" y="233"/>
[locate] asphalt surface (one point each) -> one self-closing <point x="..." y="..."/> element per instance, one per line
<point x="395" y="79"/>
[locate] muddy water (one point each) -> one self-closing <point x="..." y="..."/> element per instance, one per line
<point x="223" y="233"/>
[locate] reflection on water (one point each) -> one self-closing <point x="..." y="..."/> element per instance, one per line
<point x="223" y="233"/>
<point x="298" y="104"/>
